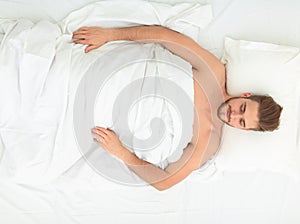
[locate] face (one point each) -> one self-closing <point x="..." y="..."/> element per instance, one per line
<point x="239" y="112"/>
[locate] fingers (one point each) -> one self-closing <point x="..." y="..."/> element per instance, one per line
<point x="105" y="131"/>
<point x="82" y="29"/>
<point x="80" y="42"/>
<point x="100" y="137"/>
<point x="98" y="142"/>
<point x="83" y="36"/>
<point x="83" y="39"/>
<point x="106" y="134"/>
<point x="99" y="133"/>
<point x="79" y="36"/>
<point x="89" y="48"/>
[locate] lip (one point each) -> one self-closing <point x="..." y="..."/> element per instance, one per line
<point x="227" y="114"/>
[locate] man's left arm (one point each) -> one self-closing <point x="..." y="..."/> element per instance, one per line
<point x="155" y="176"/>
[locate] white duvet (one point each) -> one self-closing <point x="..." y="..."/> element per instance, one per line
<point x="45" y="102"/>
<point x="145" y="99"/>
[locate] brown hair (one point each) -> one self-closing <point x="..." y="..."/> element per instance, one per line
<point x="268" y="113"/>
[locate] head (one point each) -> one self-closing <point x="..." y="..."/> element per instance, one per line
<point x="251" y="112"/>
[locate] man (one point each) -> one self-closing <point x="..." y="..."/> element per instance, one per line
<point x="245" y="112"/>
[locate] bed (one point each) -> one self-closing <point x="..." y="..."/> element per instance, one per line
<point x="254" y="177"/>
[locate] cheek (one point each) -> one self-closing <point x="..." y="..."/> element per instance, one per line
<point x="234" y="123"/>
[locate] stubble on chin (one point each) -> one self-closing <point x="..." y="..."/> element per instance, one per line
<point x="221" y="112"/>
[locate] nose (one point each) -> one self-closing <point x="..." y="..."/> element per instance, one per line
<point x="235" y="115"/>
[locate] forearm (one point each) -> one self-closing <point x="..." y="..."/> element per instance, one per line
<point x="158" y="34"/>
<point x="153" y="175"/>
<point x="138" y="33"/>
<point x="177" y="43"/>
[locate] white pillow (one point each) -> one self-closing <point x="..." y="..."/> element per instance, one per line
<point x="262" y="68"/>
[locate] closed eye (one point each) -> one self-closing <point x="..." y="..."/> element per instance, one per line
<point x="242" y="123"/>
<point x="243" y="108"/>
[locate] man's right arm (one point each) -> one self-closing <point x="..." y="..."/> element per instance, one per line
<point x="179" y="44"/>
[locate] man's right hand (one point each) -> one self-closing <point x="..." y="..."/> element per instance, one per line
<point x="94" y="37"/>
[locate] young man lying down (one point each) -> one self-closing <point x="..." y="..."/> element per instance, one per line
<point x="246" y="112"/>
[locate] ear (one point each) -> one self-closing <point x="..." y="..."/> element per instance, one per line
<point x="246" y="94"/>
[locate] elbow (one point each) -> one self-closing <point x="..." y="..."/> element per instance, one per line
<point x="162" y="187"/>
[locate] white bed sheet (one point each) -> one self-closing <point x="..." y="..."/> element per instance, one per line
<point x="82" y="196"/>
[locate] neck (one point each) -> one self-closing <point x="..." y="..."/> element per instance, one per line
<point x="226" y="96"/>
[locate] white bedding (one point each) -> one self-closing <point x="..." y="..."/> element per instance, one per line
<point x="141" y="88"/>
<point x="67" y="189"/>
<point x="39" y="58"/>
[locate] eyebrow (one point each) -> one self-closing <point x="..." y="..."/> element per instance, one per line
<point x="243" y="121"/>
